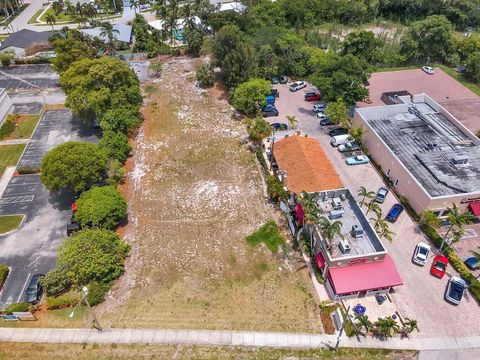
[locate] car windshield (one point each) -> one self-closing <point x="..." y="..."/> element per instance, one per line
<point x="423" y="251"/>
<point x="31" y="290"/>
<point x="440" y="266"/>
<point x="456" y="291"/>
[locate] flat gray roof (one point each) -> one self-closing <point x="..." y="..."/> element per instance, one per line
<point x="437" y="153"/>
<point x="369" y="243"/>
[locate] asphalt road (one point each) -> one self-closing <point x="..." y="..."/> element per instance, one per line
<point x="32" y="249"/>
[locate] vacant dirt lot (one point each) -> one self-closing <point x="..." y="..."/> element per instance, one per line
<point x="194" y="194"/>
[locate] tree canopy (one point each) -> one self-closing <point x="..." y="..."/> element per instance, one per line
<point x="100" y="207"/>
<point x="93" y="255"/>
<point x="115" y="145"/>
<point x="249" y="94"/>
<point x="73" y="165"/>
<point x="95" y="86"/>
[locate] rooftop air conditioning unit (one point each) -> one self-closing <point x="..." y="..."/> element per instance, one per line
<point x="357" y="231"/>
<point x="344" y="246"/>
<point x="460" y="160"/>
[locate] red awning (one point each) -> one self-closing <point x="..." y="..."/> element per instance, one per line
<point x="475" y="208"/>
<point x="364" y="277"/>
<point x="320" y="260"/>
<point x="300" y="214"/>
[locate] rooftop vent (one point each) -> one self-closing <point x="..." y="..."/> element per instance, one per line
<point x="460" y="160"/>
<point x="344" y="246"/>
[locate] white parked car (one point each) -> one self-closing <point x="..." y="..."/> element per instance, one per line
<point x="420" y="254"/>
<point x="297" y="85"/>
<point x="428" y="69"/>
<point x="318" y="107"/>
<point x="321" y="115"/>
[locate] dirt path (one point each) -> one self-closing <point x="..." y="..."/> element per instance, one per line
<point x="194" y="194"/>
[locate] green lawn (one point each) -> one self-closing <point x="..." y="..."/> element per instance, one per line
<point x="9" y="223"/>
<point x="9" y="155"/>
<point x="397" y="68"/>
<point x="63" y="18"/>
<point x="21" y="129"/>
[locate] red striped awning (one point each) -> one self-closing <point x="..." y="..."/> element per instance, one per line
<point x="475" y="208"/>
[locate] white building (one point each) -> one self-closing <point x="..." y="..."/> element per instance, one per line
<point x="5" y="105"/>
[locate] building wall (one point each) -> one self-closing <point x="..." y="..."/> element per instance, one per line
<point x="405" y="184"/>
<point x="5" y="105"/>
<point x="19" y="52"/>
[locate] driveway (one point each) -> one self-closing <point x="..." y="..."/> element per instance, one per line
<point x="32" y="249"/>
<point x="421" y="295"/>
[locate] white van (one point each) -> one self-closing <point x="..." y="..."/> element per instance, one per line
<point x="340" y="139"/>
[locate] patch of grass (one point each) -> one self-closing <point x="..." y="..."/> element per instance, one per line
<point x="19" y="127"/>
<point x="397" y="68"/>
<point x="327" y="321"/>
<point x="9" y="223"/>
<point x="4" y="270"/>
<point x="267" y="234"/>
<point x="63" y="18"/>
<point x="150" y="88"/>
<point x="120" y="351"/>
<point x="460" y="78"/>
<point x="9" y="155"/>
<point x="33" y="19"/>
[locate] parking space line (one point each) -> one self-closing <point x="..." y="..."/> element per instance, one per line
<point x="24" y="287"/>
<point x="16" y="199"/>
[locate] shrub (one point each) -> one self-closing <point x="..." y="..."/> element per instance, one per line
<point x="267" y="234"/>
<point x="249" y="94"/>
<point x="115" y="172"/>
<point x="275" y="189"/>
<point x="7" y="128"/>
<point x="259" y="129"/>
<point x="205" y="75"/>
<point x="4" y="270"/>
<point x="66" y="300"/>
<point x="93" y="255"/>
<point x="25" y="170"/>
<point x="115" y="145"/>
<point x="56" y="281"/>
<point x="100" y="207"/>
<point x="96" y="292"/>
<point x="18" y="307"/>
<point x="122" y="119"/>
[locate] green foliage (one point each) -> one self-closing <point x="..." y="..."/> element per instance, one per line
<point x="115" y="172"/>
<point x="95" y="86"/>
<point x="194" y="38"/>
<point x="250" y="94"/>
<point x="18" y="307"/>
<point x="55" y="282"/>
<point x="68" y="299"/>
<point x="4" y="270"/>
<point x="123" y="118"/>
<point x="363" y="44"/>
<point x="115" y="145"/>
<point x="386" y="327"/>
<point x="156" y="67"/>
<point x="93" y="255"/>
<point x="100" y="207"/>
<point x="74" y="46"/>
<point x="275" y="188"/>
<point x="428" y="40"/>
<point x="239" y="65"/>
<point x="345" y="77"/>
<point x="96" y="292"/>
<point x="292" y="55"/>
<point x="73" y="165"/>
<point x="205" y="75"/>
<point x="472" y="67"/>
<point x="7" y="128"/>
<point x="267" y="234"/>
<point x="6" y="58"/>
<point x="337" y="111"/>
<point x="259" y="129"/>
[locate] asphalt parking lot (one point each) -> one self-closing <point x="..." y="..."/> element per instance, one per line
<point x="421" y="296"/>
<point x="27" y="108"/>
<point x="32" y="249"/>
<point x="21" y="77"/>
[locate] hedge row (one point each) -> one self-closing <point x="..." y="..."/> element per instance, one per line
<point x="4" y="270"/>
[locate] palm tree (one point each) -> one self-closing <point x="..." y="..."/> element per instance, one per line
<point x="107" y="31"/>
<point x="428" y="217"/>
<point x="311" y="213"/>
<point x="51" y="20"/>
<point x="357" y="134"/>
<point x="373" y="206"/>
<point x="169" y="13"/>
<point x="385" y="232"/>
<point x="457" y="218"/>
<point x="362" y="191"/>
<point x="408" y="326"/>
<point x="457" y="236"/>
<point x="329" y="230"/>
<point x="292" y="120"/>
<point x="135" y="4"/>
<point x="378" y="222"/>
<point x="363" y="322"/>
<point x="386" y="327"/>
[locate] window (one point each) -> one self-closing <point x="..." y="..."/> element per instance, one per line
<point x="396" y="182"/>
<point x="388" y="172"/>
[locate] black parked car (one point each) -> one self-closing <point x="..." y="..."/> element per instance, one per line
<point x="326" y="122"/>
<point x="283" y="79"/>
<point x="275" y="93"/>
<point x="269" y="110"/>
<point x="279" y="126"/>
<point x="338" y="131"/>
<point x="34" y="290"/>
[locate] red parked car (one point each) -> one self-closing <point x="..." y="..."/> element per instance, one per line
<point x="312" y="96"/>
<point x="439" y="266"/>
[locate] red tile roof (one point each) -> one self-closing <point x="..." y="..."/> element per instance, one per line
<point x="306" y="164"/>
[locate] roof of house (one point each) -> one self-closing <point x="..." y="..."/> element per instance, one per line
<point x="306" y="165"/>
<point x="124" y="33"/>
<point x="25" y="38"/>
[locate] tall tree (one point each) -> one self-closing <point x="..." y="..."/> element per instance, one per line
<point x="51" y="20"/>
<point x="337" y="111"/>
<point x="458" y="219"/>
<point x="363" y="44"/>
<point x="365" y="194"/>
<point x="329" y="230"/>
<point x="107" y="31"/>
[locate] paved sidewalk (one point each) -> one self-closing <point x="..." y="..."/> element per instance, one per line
<point x="227" y="338"/>
<point x="14" y="142"/>
<point x="5" y="179"/>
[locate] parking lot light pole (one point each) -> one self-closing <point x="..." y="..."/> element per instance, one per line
<point x="96" y="323"/>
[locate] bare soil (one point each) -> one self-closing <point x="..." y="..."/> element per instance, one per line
<point x="194" y="193"/>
